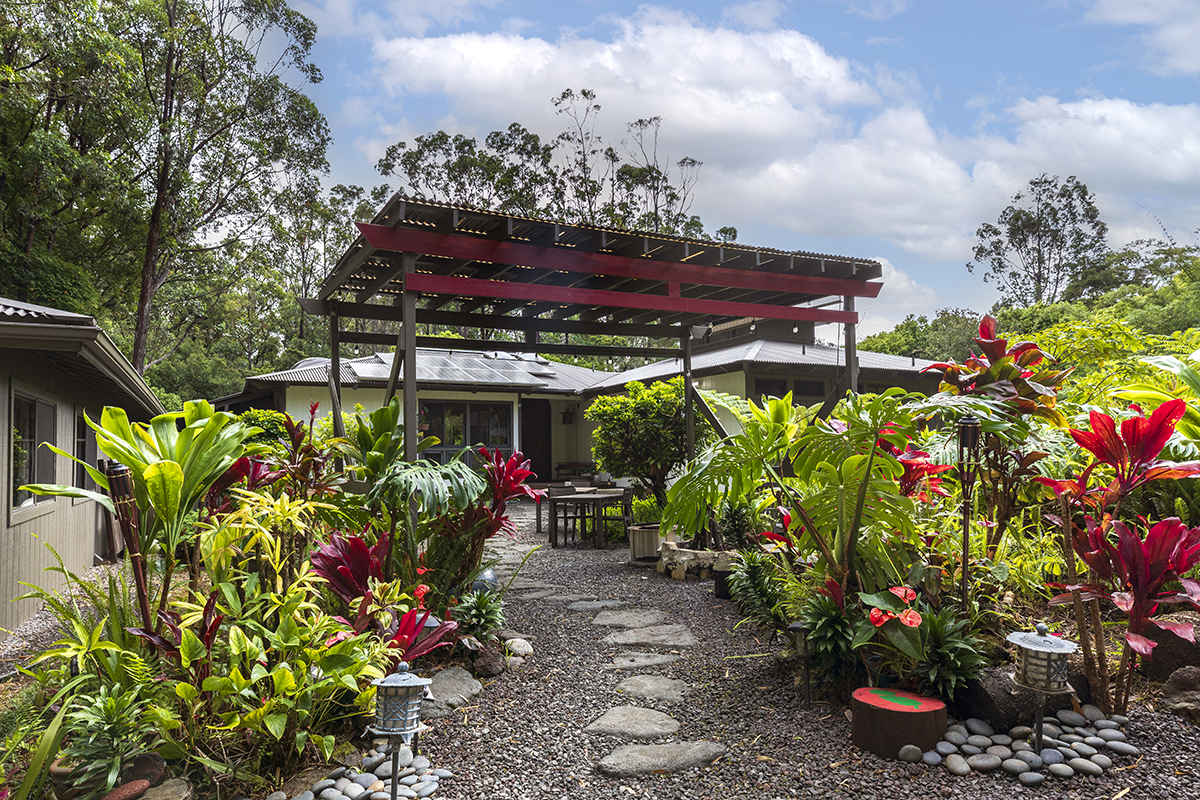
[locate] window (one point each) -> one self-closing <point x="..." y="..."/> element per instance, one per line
<point x="33" y="422"/>
<point x="458" y="425"/>
<point x="770" y="387"/>
<point x="815" y="389"/>
<point x="85" y="450"/>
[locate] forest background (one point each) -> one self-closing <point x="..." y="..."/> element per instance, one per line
<point x="163" y="169"/>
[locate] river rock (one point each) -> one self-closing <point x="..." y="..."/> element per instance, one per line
<point x="932" y="758"/>
<point x="978" y="726"/>
<point x="1031" y="778"/>
<point x="984" y="762"/>
<point x="1063" y="771"/>
<point x="1051" y="756"/>
<point x="1032" y="759"/>
<point x="1120" y="720"/>
<point x="979" y="740"/>
<point x="519" y="647"/>
<point x="955" y="738"/>
<point x="945" y="748"/>
<point x="1085" y="766"/>
<point x="1014" y="766"/>
<point x="1104" y="761"/>
<point x="970" y="750"/>
<point x="1105" y="725"/>
<point x="1110" y="735"/>
<point x="1124" y="749"/>
<point x="1000" y="751"/>
<point x="910" y="753"/>
<point x="957" y="764"/>
<point x="1020" y="732"/>
<point x="1083" y="749"/>
<point x="1001" y="739"/>
<point x="1072" y="718"/>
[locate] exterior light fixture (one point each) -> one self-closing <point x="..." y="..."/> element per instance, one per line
<point x="1042" y="668"/>
<point x="398" y="700"/>
<point x="700" y="331"/>
<point x="568" y="415"/>
<point x="970" y="430"/>
<point x="799" y="632"/>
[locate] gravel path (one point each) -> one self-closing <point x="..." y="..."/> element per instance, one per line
<point x="523" y="738"/>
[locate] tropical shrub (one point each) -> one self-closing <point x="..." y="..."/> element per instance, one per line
<point x="758" y="586"/>
<point x="269" y="422"/>
<point x="479" y="615"/>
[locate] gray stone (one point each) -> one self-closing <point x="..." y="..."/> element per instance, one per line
<point x="1020" y="732"/>
<point x="567" y="599"/>
<point x="1105" y="725"/>
<point x="425" y="789"/>
<point x="630" y="618"/>
<point x="1072" y="718"/>
<point x="957" y="765"/>
<point x="1014" y="766"/>
<point x="1085" y="766"/>
<point x="541" y="594"/>
<point x="1063" y="771"/>
<point x="452" y="687"/>
<point x="1094" y="741"/>
<point x="594" y="605"/>
<point x="984" y="762"/>
<point x="1104" y="761"/>
<point x="513" y="663"/>
<point x="1117" y="718"/>
<point x="419" y="763"/>
<point x="979" y="727"/>
<point x="336" y="773"/>
<point x="1070" y="738"/>
<point x="1051" y="756"/>
<point x="675" y="637"/>
<point x="979" y="740"/>
<point x="1092" y="713"/>
<point x="960" y="730"/>
<point x="1110" y="735"/>
<point x="932" y="758"/>
<point x="519" y="647"/>
<point x="945" y="748"/>
<point x="631" y="722"/>
<point x="1068" y="753"/>
<point x="329" y="793"/>
<point x="366" y="779"/>
<point x="1000" y="738"/>
<point x="1000" y="751"/>
<point x="1031" y="778"/>
<point x="1124" y="749"/>
<point x="1053" y="731"/>
<point x="341" y="783"/>
<point x="369" y="764"/>
<point x="353" y="790"/>
<point x="304" y="796"/>
<point x="404" y="759"/>
<point x="442" y="774"/>
<point x="322" y="785"/>
<point x="970" y="750"/>
<point x="384" y="770"/>
<point x="632" y="661"/>
<point x="910" y="753"/>
<point x="1083" y="749"/>
<point x="277" y="796"/>
<point x="404" y="773"/>
<point x="1032" y="759"/>
<point x="1018" y="747"/>
<point x="381" y="796"/>
<point x="653" y="687"/>
<point x="404" y="791"/>
<point x="408" y="780"/>
<point x="955" y="738"/>
<point x="1090" y="730"/>
<point x="641" y="759"/>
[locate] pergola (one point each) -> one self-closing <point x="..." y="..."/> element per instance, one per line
<point x="426" y="262"/>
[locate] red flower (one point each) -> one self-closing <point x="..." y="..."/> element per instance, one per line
<point x="786" y="516"/>
<point x="420" y="593"/>
<point x="910" y="617"/>
<point x="904" y="593"/>
<point x="878" y="616"/>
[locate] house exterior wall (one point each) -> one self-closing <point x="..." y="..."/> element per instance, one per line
<point x="74" y="528"/>
<point x="727" y="383"/>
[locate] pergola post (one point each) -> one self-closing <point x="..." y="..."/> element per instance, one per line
<point x="689" y="417"/>
<point x="851" y="347"/>
<point x="408" y="324"/>
<point x="335" y="375"/>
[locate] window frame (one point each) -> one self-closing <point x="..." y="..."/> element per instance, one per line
<point x="42" y="504"/>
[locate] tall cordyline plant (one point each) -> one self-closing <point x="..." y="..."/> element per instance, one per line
<point x="1133" y="573"/>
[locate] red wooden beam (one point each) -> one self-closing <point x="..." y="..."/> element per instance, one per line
<point x="472" y="287"/>
<point x="476" y="248"/>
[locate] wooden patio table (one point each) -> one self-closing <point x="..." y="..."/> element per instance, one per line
<point x="594" y="500"/>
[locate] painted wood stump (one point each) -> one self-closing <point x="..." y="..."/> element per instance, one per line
<point x="884" y="720"/>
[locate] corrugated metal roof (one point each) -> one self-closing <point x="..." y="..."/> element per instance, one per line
<point x="16" y="311"/>
<point x="762" y="351"/>
<point x="445" y="367"/>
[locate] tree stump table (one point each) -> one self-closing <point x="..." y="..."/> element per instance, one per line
<point x="884" y="720"/>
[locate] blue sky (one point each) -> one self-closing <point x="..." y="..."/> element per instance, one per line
<point x="889" y="129"/>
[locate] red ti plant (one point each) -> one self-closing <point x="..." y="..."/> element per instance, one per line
<point x="348" y="563"/>
<point x="411" y="639"/>
<point x="920" y="475"/>
<point x="210" y="625"/>
<point x="1136" y="575"/>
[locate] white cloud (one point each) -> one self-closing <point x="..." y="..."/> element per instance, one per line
<point x="340" y="19"/>
<point x="1171" y="30"/>
<point x="875" y="9"/>
<point x="885" y="40"/>
<point x="900" y="296"/>
<point x="755" y="14"/>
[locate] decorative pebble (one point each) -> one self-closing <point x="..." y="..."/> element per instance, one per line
<point x="329" y="793"/>
<point x="978" y="726"/>
<point x="424" y="788"/>
<point x="945" y="748"/>
<point x="408" y="780"/>
<point x="1083" y="749"/>
<point x="353" y="790"/>
<point x="1094" y="741"/>
<point x="381" y="796"/>
<point x="1051" y="730"/>
<point x="337" y="773"/>
<point x="955" y="738"/>
<point x="961" y="730"/>
<point x="404" y="791"/>
<point x="405" y="758"/>
<point x="1124" y="748"/>
<point x="1110" y="735"/>
<point x="342" y="783"/>
<point x="957" y="764"/>
<point x="1104" y="761"/>
<point x="970" y="750"/>
<point x="1072" y="718"/>
<point x="419" y="763"/>
<point x="277" y="796"/>
<point x="1020" y="732"/>
<point x="377" y="786"/>
<point x="1068" y="728"/>
<point x="1000" y="751"/>
<point x="910" y="753"/>
<point x="304" y="796"/>
<point x="1031" y="778"/>
<point x="979" y="740"/>
<point x="404" y="773"/>
<point x="384" y="770"/>
<point x="1117" y="718"/>
<point x="984" y="762"/>
<point x="1086" y="732"/>
<point x="1032" y="759"/>
<point x="365" y="779"/>
<point x="369" y="764"/>
<point x="1070" y="738"/>
<point x="1002" y="739"/>
<point x="931" y="758"/>
<point x="322" y="785"/>
<point x="1022" y="747"/>
<point x="1067" y="753"/>
<point x="1091" y="713"/>
<point x="1085" y="766"/>
<point x="1014" y="766"/>
<point x="1051" y="756"/>
<point x="1063" y="771"/>
<point x="1106" y="725"/>
<point x="443" y="773"/>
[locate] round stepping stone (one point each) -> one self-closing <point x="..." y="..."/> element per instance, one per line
<point x="910" y="753"/>
<point x="673" y="637"/>
<point x="957" y="765"/>
<point x="1104" y="761"/>
<point x="1063" y="771"/>
<point x="1120" y="720"/>
<point x="1020" y="732"/>
<point x="642" y="759"/>
<point x="970" y="750"/>
<point x="594" y="605"/>
<point x="653" y="687"/>
<point x="632" y="661"/>
<point x="945" y="748"/>
<point x="1000" y="751"/>
<point x="978" y="726"/>
<point x="1085" y="766"/>
<point x="1105" y="725"/>
<point x="1051" y="756"/>
<point x="631" y="722"/>
<point x="979" y="740"/>
<point x="1110" y="735"/>
<point x="630" y="618"/>
<point x="955" y="738"/>
<point x="1072" y="718"/>
<point x="1014" y="766"/>
<point x="932" y="758"/>
<point x="1124" y="749"/>
<point x="1031" y="778"/>
<point x="1092" y="713"/>
<point x="984" y="762"/>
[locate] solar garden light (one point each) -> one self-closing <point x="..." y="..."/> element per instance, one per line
<point x="969" y="431"/>
<point x="1041" y="667"/>
<point x="398" y="712"/>
<point x="799" y="632"/>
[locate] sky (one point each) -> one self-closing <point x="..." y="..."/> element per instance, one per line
<point x="886" y="129"/>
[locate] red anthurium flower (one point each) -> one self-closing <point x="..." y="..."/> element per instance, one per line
<point x="910" y="617"/>
<point x="420" y="593"/>
<point x="878" y="616"/>
<point x="904" y="593"/>
<point x="786" y="516"/>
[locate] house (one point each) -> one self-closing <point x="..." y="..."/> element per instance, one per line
<point x="753" y="358"/>
<point x="512" y="401"/>
<point x="56" y="367"/>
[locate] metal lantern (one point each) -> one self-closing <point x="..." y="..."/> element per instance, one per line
<point x="970" y="430"/>
<point x="799" y="632"/>
<point x="1041" y="667"/>
<point x="398" y="700"/>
